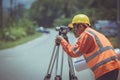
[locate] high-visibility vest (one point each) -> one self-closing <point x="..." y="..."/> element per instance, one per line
<point x="103" y="58"/>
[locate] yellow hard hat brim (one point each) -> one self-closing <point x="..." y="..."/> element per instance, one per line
<point x="70" y="25"/>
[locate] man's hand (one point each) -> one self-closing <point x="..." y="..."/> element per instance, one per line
<point x="58" y="39"/>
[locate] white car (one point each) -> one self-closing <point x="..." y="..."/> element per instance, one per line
<point x="42" y="30"/>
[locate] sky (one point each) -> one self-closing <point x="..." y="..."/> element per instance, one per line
<point x="6" y="3"/>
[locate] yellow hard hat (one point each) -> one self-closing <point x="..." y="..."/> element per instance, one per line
<point x="80" y="18"/>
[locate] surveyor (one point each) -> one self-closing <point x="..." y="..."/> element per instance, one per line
<point x="94" y="46"/>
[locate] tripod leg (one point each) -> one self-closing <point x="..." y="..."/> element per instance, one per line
<point x="51" y="64"/>
<point x="57" y="58"/>
<point x="58" y="77"/>
<point x="72" y="76"/>
<point x="62" y="62"/>
<point x="47" y="77"/>
<point x="71" y="70"/>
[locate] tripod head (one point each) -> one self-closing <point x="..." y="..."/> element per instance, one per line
<point x="63" y="30"/>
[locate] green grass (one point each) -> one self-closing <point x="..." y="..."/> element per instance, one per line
<point x="9" y="44"/>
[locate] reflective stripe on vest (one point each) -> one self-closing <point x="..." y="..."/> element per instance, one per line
<point x="103" y="62"/>
<point x="97" y="39"/>
<point x="100" y="51"/>
<point x="78" y="52"/>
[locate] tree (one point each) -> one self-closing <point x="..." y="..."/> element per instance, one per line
<point x="105" y="9"/>
<point x="45" y="11"/>
<point x="11" y="10"/>
<point x="1" y="14"/>
<point x="1" y="19"/>
<point x="18" y="11"/>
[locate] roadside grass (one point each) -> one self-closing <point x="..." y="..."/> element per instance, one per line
<point x="9" y="44"/>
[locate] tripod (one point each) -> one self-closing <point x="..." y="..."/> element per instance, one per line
<point x="55" y="58"/>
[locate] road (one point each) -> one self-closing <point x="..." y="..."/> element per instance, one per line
<point x="30" y="61"/>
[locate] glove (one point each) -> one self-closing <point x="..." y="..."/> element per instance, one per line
<point x="58" y="39"/>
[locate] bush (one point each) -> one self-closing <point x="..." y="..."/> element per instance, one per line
<point x="14" y="33"/>
<point x="18" y="30"/>
<point x="28" y="25"/>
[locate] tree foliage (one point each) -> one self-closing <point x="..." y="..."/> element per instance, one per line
<point x="1" y="14"/>
<point x="49" y="13"/>
<point x="16" y="23"/>
<point x="45" y="12"/>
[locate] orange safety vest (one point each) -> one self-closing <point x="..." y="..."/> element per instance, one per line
<point x="102" y="59"/>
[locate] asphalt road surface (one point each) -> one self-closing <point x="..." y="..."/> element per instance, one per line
<point x="30" y="61"/>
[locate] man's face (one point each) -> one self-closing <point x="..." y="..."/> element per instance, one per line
<point x="77" y="30"/>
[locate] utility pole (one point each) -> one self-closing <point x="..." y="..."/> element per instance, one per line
<point x="118" y="20"/>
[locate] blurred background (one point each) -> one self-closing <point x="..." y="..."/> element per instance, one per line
<point x="21" y="18"/>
